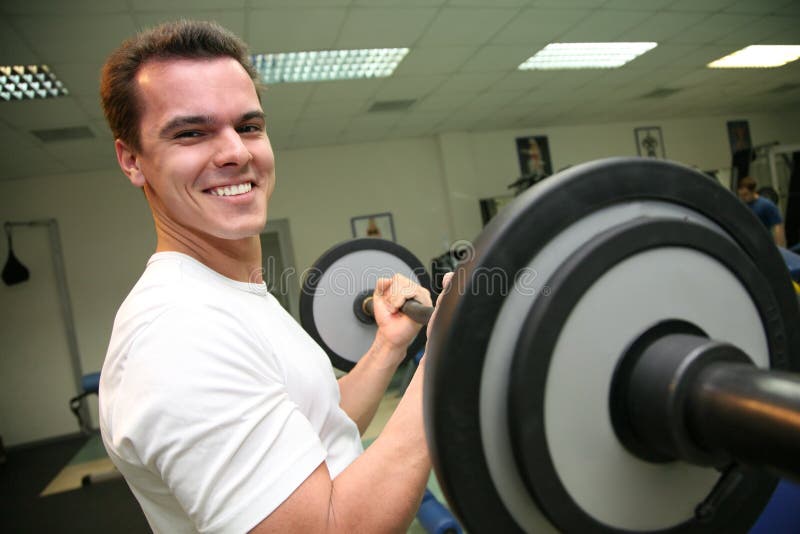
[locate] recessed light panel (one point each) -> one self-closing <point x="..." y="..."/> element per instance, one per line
<point x="323" y="65"/>
<point x="29" y="82"/>
<point x="758" y="56"/>
<point x="557" y="56"/>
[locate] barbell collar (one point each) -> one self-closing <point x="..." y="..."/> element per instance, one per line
<point x="694" y="399"/>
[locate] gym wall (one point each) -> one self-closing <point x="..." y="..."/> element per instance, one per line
<point x="431" y="185"/>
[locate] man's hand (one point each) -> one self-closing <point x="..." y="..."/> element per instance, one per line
<point x="395" y="329"/>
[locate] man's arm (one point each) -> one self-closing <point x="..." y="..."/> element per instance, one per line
<point x="363" y="387"/>
<point x="779" y="234"/>
<point x="379" y="492"/>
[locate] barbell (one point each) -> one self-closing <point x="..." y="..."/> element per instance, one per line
<point x="616" y="354"/>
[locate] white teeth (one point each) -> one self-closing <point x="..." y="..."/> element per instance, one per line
<point x="232" y="190"/>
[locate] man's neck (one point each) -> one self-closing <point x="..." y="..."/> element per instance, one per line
<point x="238" y="260"/>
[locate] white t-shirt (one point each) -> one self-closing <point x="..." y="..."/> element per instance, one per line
<point x="214" y="404"/>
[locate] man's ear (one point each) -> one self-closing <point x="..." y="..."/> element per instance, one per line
<point x="129" y="163"/>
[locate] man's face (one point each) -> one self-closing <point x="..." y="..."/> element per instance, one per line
<point x="747" y="189"/>
<point x="205" y="161"/>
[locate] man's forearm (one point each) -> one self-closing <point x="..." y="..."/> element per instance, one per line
<point x="383" y="488"/>
<point x="779" y="235"/>
<point x="363" y="387"/>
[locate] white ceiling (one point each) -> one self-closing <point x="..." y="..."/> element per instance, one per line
<point x="460" y="70"/>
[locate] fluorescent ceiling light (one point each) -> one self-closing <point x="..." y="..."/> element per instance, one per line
<point x="585" y="55"/>
<point x="325" y="65"/>
<point x="28" y="82"/>
<point x="758" y="56"/>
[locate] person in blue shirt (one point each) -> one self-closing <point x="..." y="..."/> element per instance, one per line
<point x="766" y="210"/>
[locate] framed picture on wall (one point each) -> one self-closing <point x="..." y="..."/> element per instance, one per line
<point x="533" y="153"/>
<point x="739" y="136"/>
<point x="649" y="142"/>
<point x="379" y="225"/>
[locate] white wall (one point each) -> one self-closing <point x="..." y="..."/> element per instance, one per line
<point x="431" y="186"/>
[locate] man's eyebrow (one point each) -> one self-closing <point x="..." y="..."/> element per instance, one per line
<point x="250" y="115"/>
<point x="204" y="120"/>
<point x="188" y="120"/>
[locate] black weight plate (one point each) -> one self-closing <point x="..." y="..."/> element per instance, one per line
<point x="458" y="344"/>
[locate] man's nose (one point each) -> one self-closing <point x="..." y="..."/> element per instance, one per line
<point x="231" y="150"/>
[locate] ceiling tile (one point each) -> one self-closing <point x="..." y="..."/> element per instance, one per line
<point x="482" y="3"/>
<point x="182" y="6"/>
<point x="498" y="58"/>
<point x="297" y="4"/>
<point x="567" y="3"/>
<point x="662" y="26"/>
<point x="48" y="113"/>
<point x="758" y="7"/>
<point x="434" y="60"/>
<point x="649" y="5"/>
<point x="230" y="19"/>
<point x="41" y="7"/>
<point x="287" y="93"/>
<point x="408" y="87"/>
<point x="13" y="51"/>
<point x="663" y="54"/>
<point x="604" y="26"/>
<point x="334" y="109"/>
<point x="383" y="28"/>
<point x="493" y="100"/>
<point x="444" y="101"/>
<point x="713" y="28"/>
<point x="470" y="82"/>
<point x="275" y="110"/>
<point x="82" y="79"/>
<point x="706" y="6"/>
<point x="285" y="30"/>
<point x="346" y="89"/>
<point x="522" y="79"/>
<point x="48" y="35"/>
<point x="400" y="3"/>
<point x="11" y="137"/>
<point x="455" y="27"/>
<point x="318" y="126"/>
<point x="373" y="121"/>
<point x="765" y="28"/>
<point x="537" y="27"/>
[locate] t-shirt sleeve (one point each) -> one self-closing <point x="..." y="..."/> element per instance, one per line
<point x="206" y="409"/>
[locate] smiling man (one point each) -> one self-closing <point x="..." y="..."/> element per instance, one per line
<point x="218" y="409"/>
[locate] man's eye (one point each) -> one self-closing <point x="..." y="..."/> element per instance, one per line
<point x="187" y="134"/>
<point x="249" y="128"/>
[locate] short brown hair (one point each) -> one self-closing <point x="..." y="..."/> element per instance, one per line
<point x="181" y="39"/>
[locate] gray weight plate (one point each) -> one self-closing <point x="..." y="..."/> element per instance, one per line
<point x="495" y="376"/>
<point x="332" y="284"/>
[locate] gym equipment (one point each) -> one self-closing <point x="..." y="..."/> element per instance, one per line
<point x="13" y="274"/>
<point x="13" y="271"/>
<point x="599" y="364"/>
<point x="615" y="357"/>
<point x="332" y="300"/>
<point x="90" y="385"/>
<point x="435" y="518"/>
